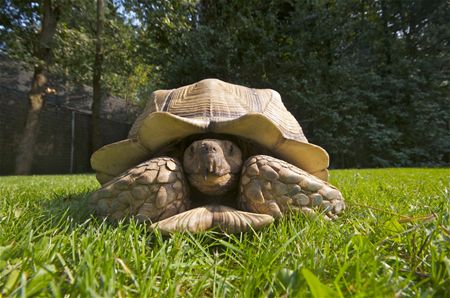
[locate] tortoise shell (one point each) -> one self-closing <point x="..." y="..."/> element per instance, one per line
<point x="212" y="106"/>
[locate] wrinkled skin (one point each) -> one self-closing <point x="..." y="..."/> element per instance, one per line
<point x="212" y="166"/>
<point x="262" y="187"/>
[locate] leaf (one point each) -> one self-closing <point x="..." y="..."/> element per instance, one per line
<point x="393" y="227"/>
<point x="11" y="282"/>
<point x="287" y="281"/>
<point x="41" y="280"/>
<point x="5" y="252"/>
<point x="284" y="277"/>
<point x="318" y="289"/>
<point x="446" y="262"/>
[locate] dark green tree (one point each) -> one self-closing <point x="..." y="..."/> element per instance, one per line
<point x="368" y="80"/>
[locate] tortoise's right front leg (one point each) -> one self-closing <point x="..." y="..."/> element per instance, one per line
<point x="153" y="190"/>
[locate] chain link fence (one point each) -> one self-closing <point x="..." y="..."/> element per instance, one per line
<point x="63" y="141"/>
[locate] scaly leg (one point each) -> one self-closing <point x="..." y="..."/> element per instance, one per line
<point x="153" y="190"/>
<point x="272" y="186"/>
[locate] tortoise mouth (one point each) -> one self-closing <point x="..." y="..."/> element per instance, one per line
<point x="213" y="185"/>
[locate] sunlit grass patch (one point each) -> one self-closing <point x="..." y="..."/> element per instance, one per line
<point x="392" y="240"/>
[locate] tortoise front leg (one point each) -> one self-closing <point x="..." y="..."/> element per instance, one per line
<point x="275" y="187"/>
<point x="153" y="190"/>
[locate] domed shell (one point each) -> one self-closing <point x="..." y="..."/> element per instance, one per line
<point x="212" y="106"/>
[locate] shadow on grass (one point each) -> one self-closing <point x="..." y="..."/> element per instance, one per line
<point x="73" y="206"/>
<point x="73" y="209"/>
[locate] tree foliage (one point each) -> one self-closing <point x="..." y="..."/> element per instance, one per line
<point x="367" y="80"/>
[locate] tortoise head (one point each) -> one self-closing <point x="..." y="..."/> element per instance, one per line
<point x="212" y="166"/>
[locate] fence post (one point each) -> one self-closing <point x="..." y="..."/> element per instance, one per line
<point x="72" y="142"/>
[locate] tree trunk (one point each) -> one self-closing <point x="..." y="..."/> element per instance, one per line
<point x="43" y="53"/>
<point x="386" y="35"/>
<point x="96" y="137"/>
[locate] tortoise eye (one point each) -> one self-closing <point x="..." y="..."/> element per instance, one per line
<point x="231" y="150"/>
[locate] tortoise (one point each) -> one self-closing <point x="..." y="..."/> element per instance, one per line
<point x="213" y="155"/>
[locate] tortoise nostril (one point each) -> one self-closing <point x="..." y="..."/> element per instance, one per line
<point x="208" y="148"/>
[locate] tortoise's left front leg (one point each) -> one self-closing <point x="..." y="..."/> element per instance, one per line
<point x="272" y="186"/>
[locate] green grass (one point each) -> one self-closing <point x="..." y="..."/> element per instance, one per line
<point x="393" y="240"/>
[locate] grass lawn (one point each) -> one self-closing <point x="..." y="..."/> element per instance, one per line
<point x="393" y="240"/>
